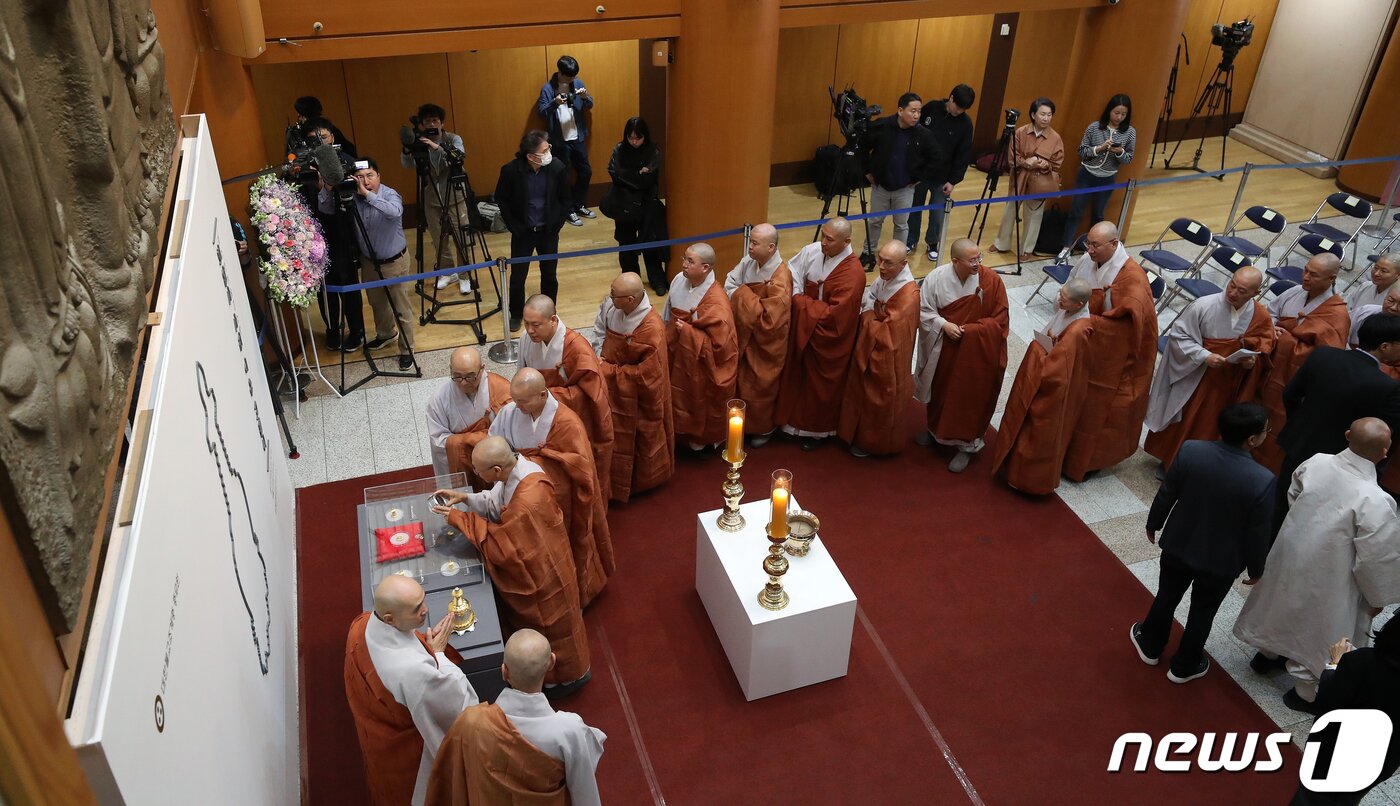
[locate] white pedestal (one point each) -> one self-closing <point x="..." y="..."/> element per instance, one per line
<point x="773" y="651"/>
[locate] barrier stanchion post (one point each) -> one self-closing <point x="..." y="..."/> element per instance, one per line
<point x="504" y="352"/>
<point x="943" y="228"/>
<point x="1123" y="213"/>
<point x="1239" y="196"/>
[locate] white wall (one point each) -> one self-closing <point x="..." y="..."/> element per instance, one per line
<point x="187" y="692"/>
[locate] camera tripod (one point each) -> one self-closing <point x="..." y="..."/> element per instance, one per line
<point x="848" y="178"/>
<point x="467" y="235"/>
<point x="1005" y="161"/>
<point x="1219" y="92"/>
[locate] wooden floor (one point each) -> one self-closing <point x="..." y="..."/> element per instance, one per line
<point x="583" y="282"/>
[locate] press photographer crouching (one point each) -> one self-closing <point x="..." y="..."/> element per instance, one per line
<point x="343" y="313"/>
<point x="380" y="207"/>
<point x="429" y="148"/>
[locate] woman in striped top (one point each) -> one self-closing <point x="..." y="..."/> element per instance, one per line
<point x="1108" y="143"/>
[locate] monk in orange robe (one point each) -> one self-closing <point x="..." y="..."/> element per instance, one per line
<point x="703" y="349"/>
<point x="822" y="334"/>
<point x="571" y="368"/>
<point x="880" y="387"/>
<point x="1197" y="378"/>
<point x="460" y="411"/>
<point x="760" y="291"/>
<point x="519" y="531"/>
<point x="1305" y="316"/>
<point x="1124" y="350"/>
<point x="1046" y="397"/>
<point x="964" y="320"/>
<point x="635" y="366"/>
<point x="543" y="430"/>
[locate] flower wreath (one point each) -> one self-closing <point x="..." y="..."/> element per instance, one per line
<point x="294" y="245"/>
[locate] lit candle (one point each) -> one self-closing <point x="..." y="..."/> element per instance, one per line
<point x="735" y="448"/>
<point x="779" y="527"/>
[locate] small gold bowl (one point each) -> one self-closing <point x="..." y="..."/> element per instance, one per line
<point x="802" y="529"/>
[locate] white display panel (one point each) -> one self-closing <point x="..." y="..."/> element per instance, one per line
<point x="188" y="688"/>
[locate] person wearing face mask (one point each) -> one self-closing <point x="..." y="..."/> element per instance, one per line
<point x="635" y="168"/>
<point x="1039" y="152"/>
<point x="533" y="196"/>
<point x="1107" y="145"/>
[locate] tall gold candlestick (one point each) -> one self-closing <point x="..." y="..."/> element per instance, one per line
<point x="773" y="597"/>
<point x="733" y="490"/>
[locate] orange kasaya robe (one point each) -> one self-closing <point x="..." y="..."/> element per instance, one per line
<point x="635" y="367"/>
<point x="1124" y="350"/>
<point x="460" y="446"/>
<point x="704" y="353"/>
<point x="566" y="458"/>
<point x="762" y="313"/>
<point x="484" y="760"/>
<point x="390" y="743"/>
<point x="881" y="384"/>
<point x="967" y="382"/>
<point x="1390" y="474"/>
<point x="578" y="383"/>
<point x="1041" y="412"/>
<point x="1218" y="388"/>
<point x="1328" y="325"/>
<point x="528" y="557"/>
<point x="820" y="339"/>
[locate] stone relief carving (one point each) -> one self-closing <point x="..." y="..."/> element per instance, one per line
<point x="88" y="135"/>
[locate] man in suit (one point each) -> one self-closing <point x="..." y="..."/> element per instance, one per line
<point x="533" y="195"/>
<point x="1332" y="389"/>
<point x="1219" y="500"/>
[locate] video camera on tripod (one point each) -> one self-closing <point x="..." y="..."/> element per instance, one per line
<point x="412" y="138"/>
<point x="852" y="113"/>
<point x="313" y="160"/>
<point x="1230" y="38"/>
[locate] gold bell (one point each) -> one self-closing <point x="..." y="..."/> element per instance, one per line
<point x="463" y="617"/>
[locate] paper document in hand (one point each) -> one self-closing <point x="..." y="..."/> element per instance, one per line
<point x="1238" y="356"/>
<point x="1043" y="339"/>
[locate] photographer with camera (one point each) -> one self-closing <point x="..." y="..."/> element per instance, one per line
<point x="441" y="153"/>
<point x="308" y="108"/>
<point x="380" y="208"/>
<point x="563" y="100"/>
<point x="947" y="120"/>
<point x="898" y="153"/>
<point x="533" y="195"/>
<point x="1107" y="145"/>
<point x="339" y="229"/>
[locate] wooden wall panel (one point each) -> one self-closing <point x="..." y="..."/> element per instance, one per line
<point x="609" y="71"/>
<point x="278" y="85"/>
<point x="1039" y="61"/>
<point x="801" y="105"/>
<point x="383" y="93"/>
<point x="1200" y="16"/>
<point x="878" y="58"/>
<point x="493" y="102"/>
<point x="950" y="51"/>
<point x="179" y="33"/>
<point x="344" y="17"/>
<point x="1374" y="135"/>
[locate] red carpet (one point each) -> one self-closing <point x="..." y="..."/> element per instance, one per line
<point x="990" y="660"/>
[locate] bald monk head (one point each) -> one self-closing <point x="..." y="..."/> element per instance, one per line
<point x="836" y="236"/>
<point x="1369" y="438"/>
<point x="529" y="391"/>
<point x="1385" y="271"/>
<point x="697" y="263"/>
<point x="1391" y="304"/>
<point x="1101" y="242"/>
<point x="540" y="319"/>
<point x="626" y="291"/>
<point x="527" y="661"/>
<point x="465" y="367"/>
<point x="1074" y="295"/>
<point x="763" y="243"/>
<point x="967" y="258"/>
<point x="1244" y="285"/>
<point x="891" y="259"/>
<point x="401" y="603"/>
<point x="1319" y="273"/>
<point x="493" y="459"/>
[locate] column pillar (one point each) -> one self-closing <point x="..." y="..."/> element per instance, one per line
<point x="1124" y="48"/>
<point x="719" y="120"/>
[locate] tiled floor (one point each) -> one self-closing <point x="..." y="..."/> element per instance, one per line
<point x="380" y="428"/>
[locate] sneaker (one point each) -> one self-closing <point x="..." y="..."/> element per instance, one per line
<point x="514" y="323"/>
<point x="1293" y="700"/>
<point x="923" y="438"/>
<point x="1135" y="635"/>
<point x="446" y="280"/>
<point x="932" y="254"/>
<point x="383" y="341"/>
<point x="960" y="461"/>
<point x="333" y="342"/>
<point x="810" y="443"/>
<point x="563" y="690"/>
<point x="353" y="345"/>
<point x="859" y="453"/>
<point x="1187" y="677"/>
<point x="405" y="363"/>
<point x="1262" y="664"/>
<point x="586" y="213"/>
<point x="465" y="286"/>
<point x="575" y="220"/>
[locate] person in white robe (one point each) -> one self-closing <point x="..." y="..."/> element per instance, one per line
<point x="1101" y="276"/>
<point x="1390" y="305"/>
<point x="1296" y="303"/>
<point x="526" y="420"/>
<point x="431" y="687"/>
<point x="457" y="404"/>
<point x="748" y="270"/>
<point x="548" y="352"/>
<point x="1334" y="565"/>
<point x="1385" y="273"/>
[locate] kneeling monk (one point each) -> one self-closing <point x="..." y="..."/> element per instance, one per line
<point x="460" y="411"/>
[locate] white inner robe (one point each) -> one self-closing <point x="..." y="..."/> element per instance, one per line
<point x="683" y="297"/>
<point x="561" y="735"/>
<point x="522" y="431"/>
<point x="545" y="355"/>
<point x="748" y="271"/>
<point x="811" y="264"/>
<point x="1294" y="302"/>
<point x="1100" y="276"/>
<point x="491" y="503"/>
<point x="882" y="291"/>
<point x="1184" y="363"/>
<point x="451" y="412"/>
<point x="941" y="288"/>
<point x="1366" y="293"/>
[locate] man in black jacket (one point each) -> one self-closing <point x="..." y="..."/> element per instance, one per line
<point x="533" y="195"/>
<point x="898" y="153"/>
<point x="1331" y="390"/>
<point x="1219" y="500"/>
<point x="947" y="120"/>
